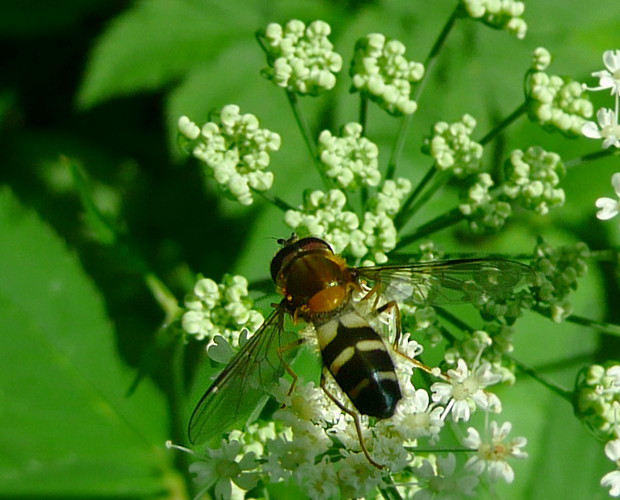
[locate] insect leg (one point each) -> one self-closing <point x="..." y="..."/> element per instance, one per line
<point x="356" y="420"/>
<point x="287" y="367"/>
<point x="393" y="305"/>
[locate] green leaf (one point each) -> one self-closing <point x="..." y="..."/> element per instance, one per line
<point x="155" y="42"/>
<point x="66" y="426"/>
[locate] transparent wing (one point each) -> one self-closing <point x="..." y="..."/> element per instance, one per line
<point x="245" y="382"/>
<point x="448" y="282"/>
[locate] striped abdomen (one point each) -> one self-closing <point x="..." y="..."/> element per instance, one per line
<point x="359" y="361"/>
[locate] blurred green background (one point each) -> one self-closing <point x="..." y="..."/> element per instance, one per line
<point x="101" y="84"/>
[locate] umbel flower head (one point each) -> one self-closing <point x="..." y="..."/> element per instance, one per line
<point x="484" y="211"/>
<point x="301" y="58"/>
<point x="351" y="159"/>
<point x="324" y="214"/>
<point x="504" y="15"/>
<point x="607" y="127"/>
<point x="557" y="271"/>
<point x="533" y="177"/>
<point x="557" y="103"/>
<point x="236" y="150"/>
<point x="451" y="146"/>
<point x="222" y="309"/>
<point x="597" y="399"/>
<point x="381" y="73"/>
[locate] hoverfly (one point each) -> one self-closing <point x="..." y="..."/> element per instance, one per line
<point x="319" y="288"/>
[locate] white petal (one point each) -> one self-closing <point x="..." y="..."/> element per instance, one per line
<point x="500" y="470"/>
<point x="611" y="58"/>
<point x="473" y="438"/>
<point x="612" y="450"/>
<point x="615" y="182"/>
<point x="612" y="479"/>
<point x="606" y="117"/>
<point x="608" y="208"/>
<point x="591" y="130"/>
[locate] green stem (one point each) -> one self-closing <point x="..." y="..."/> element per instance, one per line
<point x="601" y="326"/>
<point x="274" y="200"/>
<point x="307" y="135"/>
<point x="428" y="65"/>
<point x="580" y="160"/>
<point x="389" y="492"/>
<point x="559" y="390"/>
<point x="443" y="221"/>
<point x="440" y="181"/>
<point x="161" y="293"/>
<point x="399" y="144"/>
<point x="402" y="215"/>
<point x="608" y="255"/>
<point x="163" y="296"/>
<point x="505" y="123"/>
<point x="442" y="449"/>
<point x="177" y="397"/>
<point x="431" y="59"/>
<point x="363" y="113"/>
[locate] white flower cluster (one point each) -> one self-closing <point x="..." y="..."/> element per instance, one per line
<point x="533" y="177"/>
<point x="381" y="72"/>
<point x="220" y="310"/>
<point x="323" y="215"/>
<point x="228" y="469"/>
<point x="492" y="454"/>
<point x="597" y="404"/>
<point x="483" y="211"/>
<point x="315" y="444"/>
<point x="608" y="127"/>
<point x="452" y="147"/>
<point x="558" y="270"/>
<point x="488" y="345"/>
<point x="558" y="103"/>
<point x="465" y="390"/>
<point x="597" y="400"/>
<point x="301" y="59"/>
<point x="236" y="150"/>
<point x="350" y="159"/>
<point x="504" y="14"/>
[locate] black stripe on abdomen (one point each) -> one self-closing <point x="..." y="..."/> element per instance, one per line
<point x="359" y="361"/>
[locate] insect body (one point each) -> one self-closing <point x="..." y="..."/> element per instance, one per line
<point x="319" y="288"/>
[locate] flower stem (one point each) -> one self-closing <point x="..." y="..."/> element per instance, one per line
<point x="611" y="254"/>
<point x="505" y="123"/>
<point x="412" y="205"/>
<point x="302" y="123"/>
<point x="389" y="492"/>
<point x="559" y="390"/>
<point x="110" y="233"/>
<point x="580" y="160"/>
<point x="601" y="326"/>
<point x="443" y="221"/>
<point x="431" y="59"/>
<point x="398" y="146"/>
<point x="363" y="113"/>
<point x="428" y="64"/>
<point x="278" y="202"/>
<point x="164" y="297"/>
